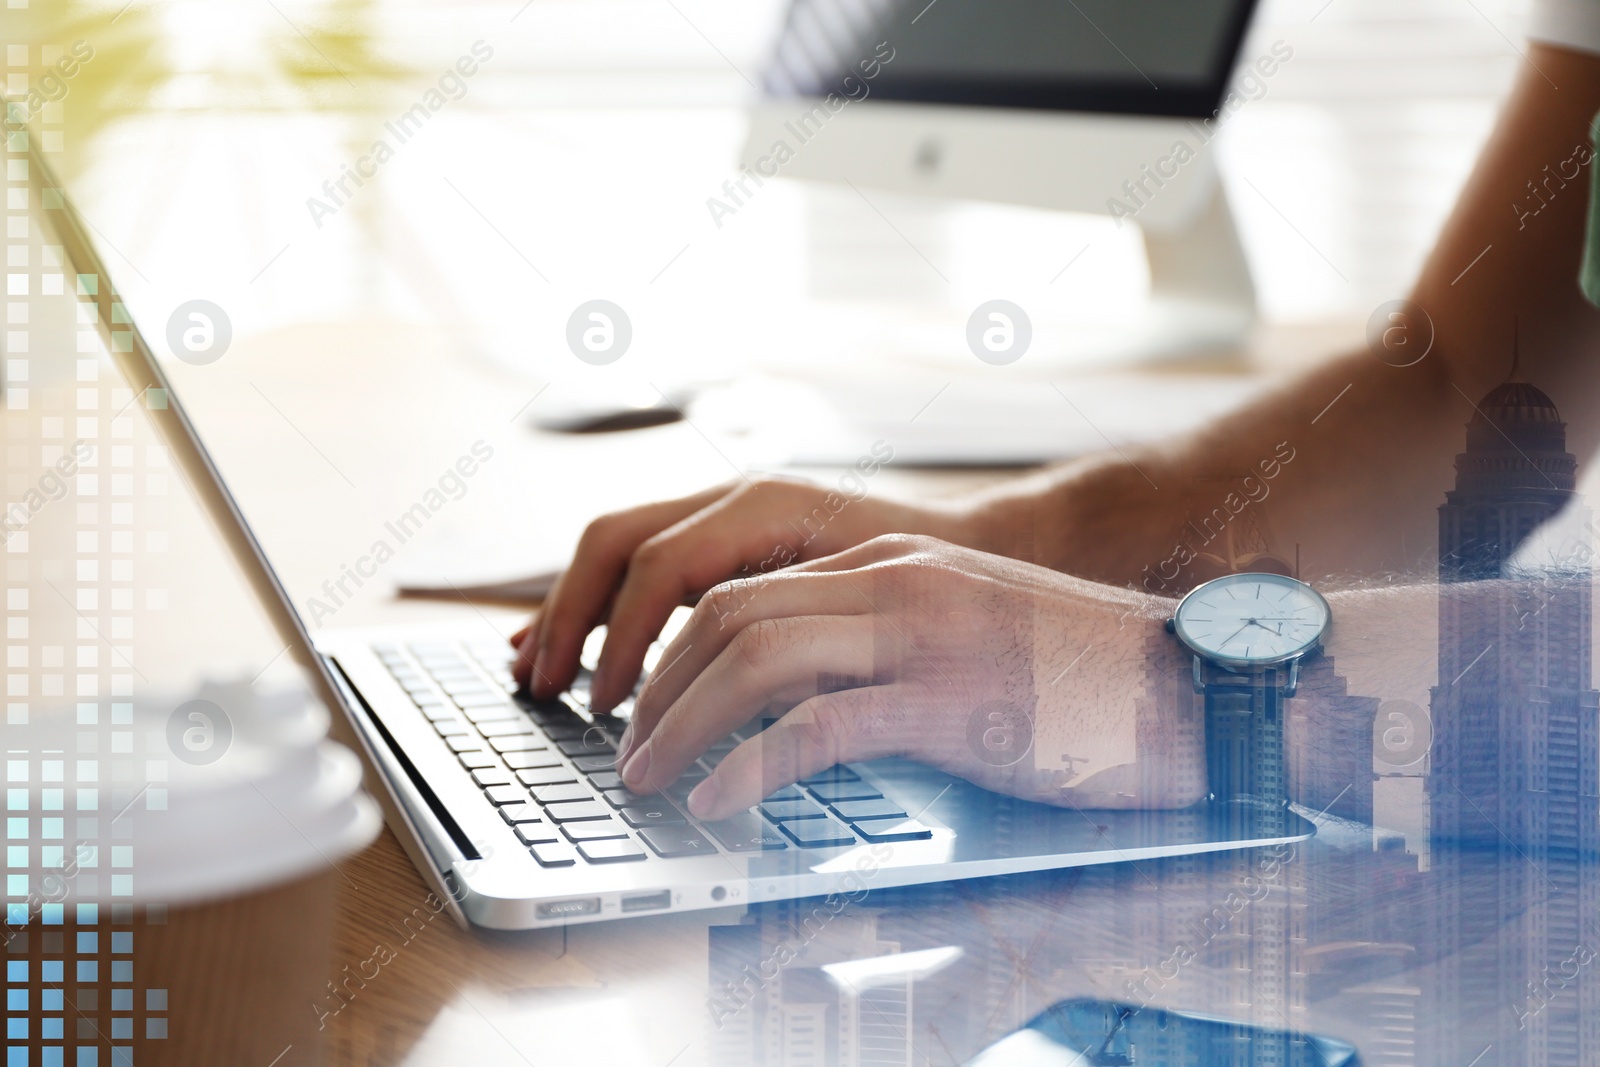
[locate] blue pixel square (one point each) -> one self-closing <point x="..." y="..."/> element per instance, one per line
<point x="88" y="971"/>
<point x="88" y="943"/>
<point x="52" y="971"/>
<point x="122" y="970"/>
<point x="122" y="942"/>
<point x="16" y="1000"/>
<point x="16" y="970"/>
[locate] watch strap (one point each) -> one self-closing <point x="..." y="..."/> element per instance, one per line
<point x="1244" y="722"/>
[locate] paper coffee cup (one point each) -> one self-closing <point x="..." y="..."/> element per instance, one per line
<point x="178" y="873"/>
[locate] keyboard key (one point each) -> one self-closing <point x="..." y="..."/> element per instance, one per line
<point x="557" y="854"/>
<point x="475" y="760"/>
<point x="817" y="833"/>
<point x="545" y="776"/>
<point x="464" y="743"/>
<point x="788" y="792"/>
<point x="436" y="712"/>
<point x="571" y="728"/>
<point x="592" y="745"/>
<point x="651" y="814"/>
<point x="546" y="713"/>
<point x="606" y="780"/>
<point x="450" y="726"/>
<point x="587" y="764"/>
<point x="521" y="742"/>
<point x="623" y="797"/>
<point x="560" y="794"/>
<point x="484" y="699"/>
<point x="828" y="792"/>
<point x="577" y="811"/>
<point x="520" y="760"/>
<point x="746" y="832"/>
<point x="685" y="784"/>
<point x="679" y="839"/>
<point x="536" y="833"/>
<point x="487" y="776"/>
<point x="527" y="811"/>
<point x="835" y="773"/>
<point x="597" y="830"/>
<point x="484" y="716"/>
<point x="620" y="851"/>
<point x="855" y="810"/>
<point x="893" y="830"/>
<point x="506" y="794"/>
<point x="468" y="684"/>
<point x="504" y="727"/>
<point x="800" y="808"/>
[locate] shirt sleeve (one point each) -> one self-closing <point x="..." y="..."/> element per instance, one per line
<point x="1569" y="23"/>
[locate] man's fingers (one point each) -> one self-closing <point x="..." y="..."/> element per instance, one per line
<point x="843" y="727"/>
<point x="783" y="659"/>
<point x="742" y="530"/>
<point x="578" y="600"/>
<point x="718" y="619"/>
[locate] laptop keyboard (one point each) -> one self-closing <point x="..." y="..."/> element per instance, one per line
<point x="549" y="769"/>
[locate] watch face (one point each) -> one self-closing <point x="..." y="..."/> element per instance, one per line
<point x="1252" y="619"/>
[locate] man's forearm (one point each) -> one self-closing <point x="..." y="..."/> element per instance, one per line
<point x="1428" y="678"/>
<point x="1372" y="443"/>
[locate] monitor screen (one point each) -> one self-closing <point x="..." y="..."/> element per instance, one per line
<point x="1148" y="57"/>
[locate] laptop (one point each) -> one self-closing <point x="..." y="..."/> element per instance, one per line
<point x="512" y="809"/>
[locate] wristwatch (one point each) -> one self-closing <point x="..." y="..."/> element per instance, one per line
<point x="1249" y="634"/>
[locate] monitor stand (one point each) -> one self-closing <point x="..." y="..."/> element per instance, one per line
<point x="1200" y="303"/>
<point x="1201" y="297"/>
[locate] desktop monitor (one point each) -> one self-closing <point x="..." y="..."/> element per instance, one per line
<point x="1101" y="106"/>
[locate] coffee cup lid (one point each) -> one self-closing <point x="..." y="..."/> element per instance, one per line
<point x="186" y="801"/>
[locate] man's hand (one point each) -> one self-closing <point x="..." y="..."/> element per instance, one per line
<point x="1011" y="675"/>
<point x="633" y="567"/>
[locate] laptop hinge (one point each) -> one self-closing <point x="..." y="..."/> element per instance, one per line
<point x="436" y="807"/>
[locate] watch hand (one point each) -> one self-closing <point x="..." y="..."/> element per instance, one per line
<point x="1236" y="633"/>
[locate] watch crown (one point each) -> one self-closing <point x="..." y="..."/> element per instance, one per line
<point x="1172" y="626"/>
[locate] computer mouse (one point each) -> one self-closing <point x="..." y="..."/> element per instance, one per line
<point x="566" y="409"/>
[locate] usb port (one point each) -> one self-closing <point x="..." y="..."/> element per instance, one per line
<point x="566" y="909"/>
<point x="648" y="901"/>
